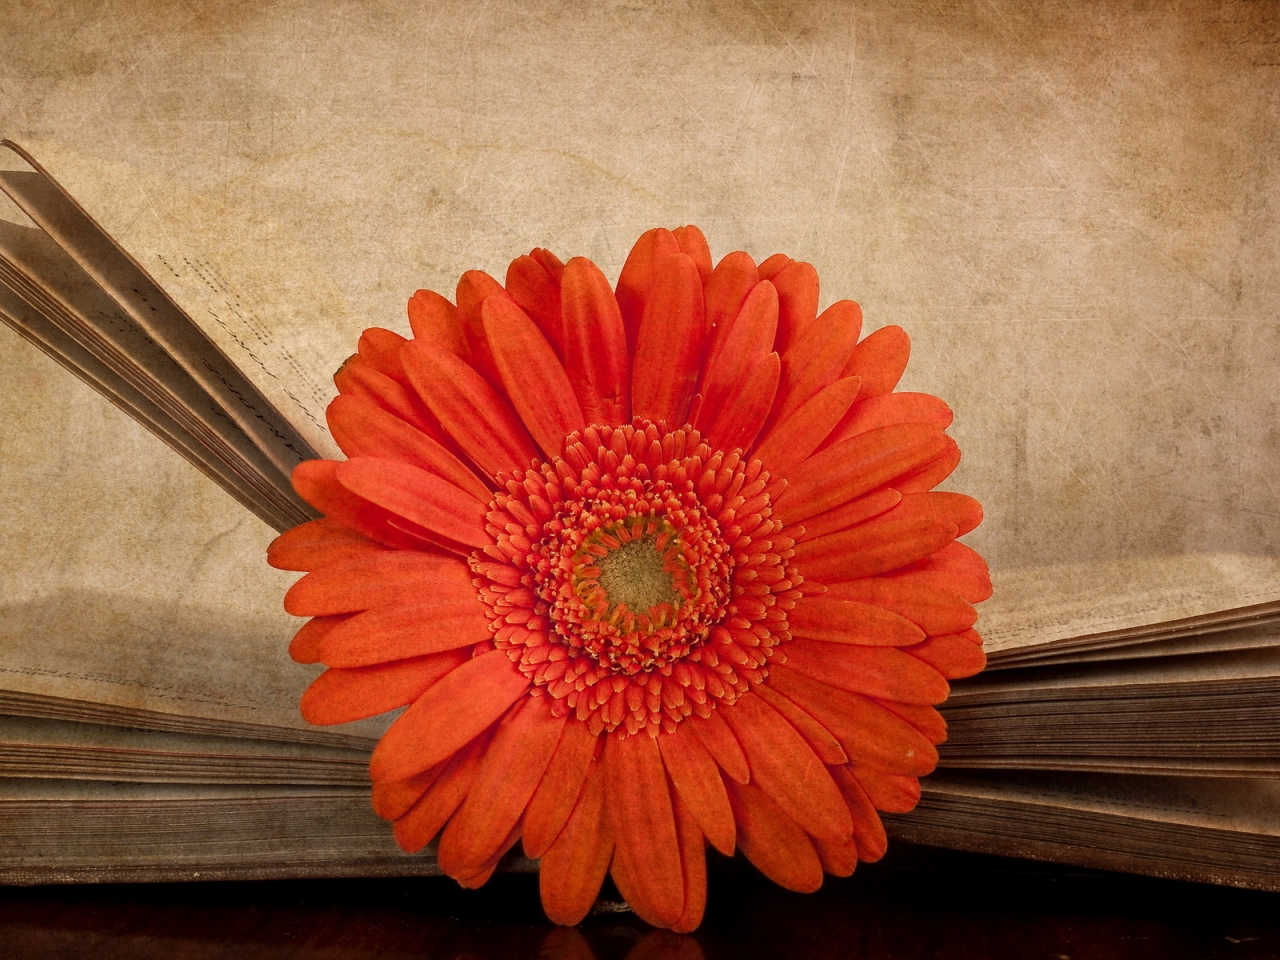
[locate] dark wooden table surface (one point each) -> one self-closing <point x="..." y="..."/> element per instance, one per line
<point x="916" y="904"/>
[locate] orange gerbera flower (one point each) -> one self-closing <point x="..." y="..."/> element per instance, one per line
<point x="650" y="569"/>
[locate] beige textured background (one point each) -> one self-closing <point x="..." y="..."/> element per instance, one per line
<point x="1071" y="207"/>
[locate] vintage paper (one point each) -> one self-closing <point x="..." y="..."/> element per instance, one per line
<point x="1070" y="208"/>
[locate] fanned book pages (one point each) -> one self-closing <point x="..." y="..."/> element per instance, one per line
<point x="71" y="289"/>
<point x="1129" y="717"/>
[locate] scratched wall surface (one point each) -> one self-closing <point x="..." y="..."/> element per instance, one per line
<point x="1071" y="207"/>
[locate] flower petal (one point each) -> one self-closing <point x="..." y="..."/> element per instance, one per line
<point x="872" y="548"/>
<point x="935" y="611"/>
<point x="531" y="286"/>
<point x="770" y="266"/>
<point x="357" y="378"/>
<point x="955" y="568"/>
<point x="737" y="424"/>
<point x="925" y="719"/>
<point x="850" y="514"/>
<point x="822" y="740"/>
<point x="868" y="831"/>
<point x="925" y="478"/>
<point x="435" y="320"/>
<point x="380" y="348"/>
<point x="595" y="353"/>
<point x="550" y="263"/>
<point x="797" y="285"/>
<point x="558" y="791"/>
<point x="643" y="825"/>
<point x="880" y="360"/>
<point x="748" y="342"/>
<point x="732" y="280"/>
<point x="791" y="440"/>
<point x="473" y="413"/>
<point x="669" y="343"/>
<point x="816" y="359"/>
<point x="343" y="695"/>
<point x="857" y="466"/>
<point x="317" y="542"/>
<point x="514" y="763"/>
<point x="889" y="792"/>
<point x="775" y="843"/>
<point x="363" y="429"/>
<point x="317" y="483"/>
<point x="787" y="769"/>
<point x="693" y="243"/>
<point x="722" y="745"/>
<point x="872" y="412"/>
<point x="635" y="282"/>
<point x="420" y="497"/>
<point x="384" y="634"/>
<point x="392" y="799"/>
<point x="474" y="288"/>
<point x="478" y="879"/>
<point x="448" y="716"/>
<point x="382" y="579"/>
<point x="419" y="826"/>
<point x="305" y="646"/>
<point x="953" y="655"/>
<point x="698" y="784"/>
<point x="573" y="868"/>
<point x="693" y="861"/>
<point x="869" y="733"/>
<point x="531" y="372"/>
<point x="838" y="859"/>
<point x="637" y="898"/>
<point x="883" y="672"/>
<point x="847" y="621"/>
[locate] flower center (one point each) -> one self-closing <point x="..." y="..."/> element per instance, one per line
<point x="638" y="579"/>
<point x="634" y="576"/>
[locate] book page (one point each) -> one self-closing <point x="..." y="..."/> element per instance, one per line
<point x="33" y="326"/>
<point x="1042" y="606"/>
<point x="237" y="298"/>
<point x="1218" y="638"/>
<point x="150" y="308"/>
<point x="1122" y="678"/>
<point x="40" y="748"/>
<point x="1035" y="604"/>
<point x="59" y="831"/>
<point x="61" y="301"/>
<point x="1210" y="830"/>
<point x="129" y="578"/>
<point x="66" y="830"/>
<point x="1071" y="217"/>
<point x="32" y="731"/>
<point x="1241" y="805"/>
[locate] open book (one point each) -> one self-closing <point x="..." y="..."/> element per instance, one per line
<point x="1129" y="717"/>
